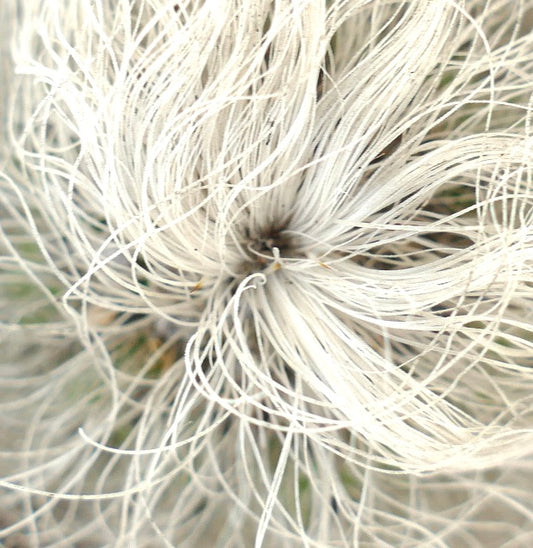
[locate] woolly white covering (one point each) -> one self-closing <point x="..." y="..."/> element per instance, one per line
<point x="267" y="273"/>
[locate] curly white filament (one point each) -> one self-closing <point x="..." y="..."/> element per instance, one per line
<point x="266" y="272"/>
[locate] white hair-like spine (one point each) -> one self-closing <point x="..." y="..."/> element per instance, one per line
<point x="266" y="273"/>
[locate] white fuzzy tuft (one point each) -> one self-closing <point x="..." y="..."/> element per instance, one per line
<point x="266" y="273"/>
